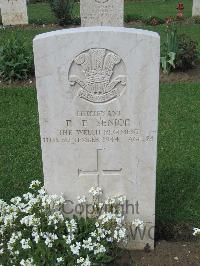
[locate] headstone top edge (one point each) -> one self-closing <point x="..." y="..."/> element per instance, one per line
<point x="96" y="29"/>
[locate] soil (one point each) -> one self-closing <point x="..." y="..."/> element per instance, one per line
<point x="165" y="254"/>
<point x="192" y="75"/>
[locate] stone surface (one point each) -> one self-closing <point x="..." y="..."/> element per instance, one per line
<point x="102" y="12"/>
<point x="13" y="12"/>
<point x="196" y="8"/>
<point x="98" y="105"/>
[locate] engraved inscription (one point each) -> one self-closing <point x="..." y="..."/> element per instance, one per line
<point x="98" y="172"/>
<point x="102" y="13"/>
<point x="91" y="126"/>
<point x="98" y="75"/>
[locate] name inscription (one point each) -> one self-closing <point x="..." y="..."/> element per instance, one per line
<point x="99" y="127"/>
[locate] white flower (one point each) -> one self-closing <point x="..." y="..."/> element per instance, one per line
<point x="16" y="200"/>
<point x="120" y="234"/>
<point x="25" y="243"/>
<point x="36" y="236"/>
<point x="87" y="244"/>
<point x="14" y="237"/>
<point x="106" y="217"/>
<point x="55" y="218"/>
<point x="81" y="200"/>
<point x="75" y="248"/>
<point x="86" y="262"/>
<point x="196" y="231"/>
<point x="95" y="191"/>
<point x="30" y="220"/>
<point x="93" y="234"/>
<point x="42" y="191"/>
<point x="71" y="226"/>
<point x="52" y="201"/>
<point x="80" y="260"/>
<point x="110" y="201"/>
<point x="35" y="184"/>
<point x="10" y="218"/>
<point x="49" y="238"/>
<point x="68" y="239"/>
<point x="138" y="223"/>
<point x="97" y="224"/>
<point x="28" y="196"/>
<point x="101" y="233"/>
<point x="28" y="262"/>
<point x="122" y="199"/>
<point x="100" y="249"/>
<point x="60" y="259"/>
<point x="101" y="205"/>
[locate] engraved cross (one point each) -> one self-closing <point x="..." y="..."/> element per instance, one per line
<point x="98" y="172"/>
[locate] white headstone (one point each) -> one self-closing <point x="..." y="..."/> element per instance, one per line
<point x="13" y="12"/>
<point x="102" y="13"/>
<point x="98" y="106"/>
<point x="196" y="8"/>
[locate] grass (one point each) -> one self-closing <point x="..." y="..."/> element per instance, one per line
<point x="191" y="30"/>
<point x="26" y="34"/>
<point x="20" y="158"/>
<point x="178" y="179"/>
<point x="178" y="182"/>
<point x="161" y="9"/>
<point x="40" y="14"/>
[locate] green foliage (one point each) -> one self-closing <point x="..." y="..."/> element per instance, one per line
<point x="63" y="10"/>
<point x="37" y="1"/>
<point x="16" y="60"/>
<point x="132" y="17"/>
<point x="187" y="55"/>
<point x="196" y="19"/>
<point x="178" y="52"/>
<point x="163" y="9"/>
<point x="40" y="14"/>
<point x="169" y="50"/>
<point x="154" y="20"/>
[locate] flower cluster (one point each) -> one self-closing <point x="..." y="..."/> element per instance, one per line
<point x="34" y="230"/>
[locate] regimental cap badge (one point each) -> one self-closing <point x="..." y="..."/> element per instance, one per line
<point x="99" y="74"/>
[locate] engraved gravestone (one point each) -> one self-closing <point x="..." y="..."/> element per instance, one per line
<point x="102" y="12"/>
<point x="97" y="90"/>
<point x="196" y="8"/>
<point x="13" y="12"/>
